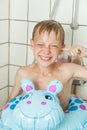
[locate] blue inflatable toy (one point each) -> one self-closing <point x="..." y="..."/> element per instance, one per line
<point x="41" y="110"/>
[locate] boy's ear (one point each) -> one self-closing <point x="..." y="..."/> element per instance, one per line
<point x="31" y="43"/>
<point x="63" y="46"/>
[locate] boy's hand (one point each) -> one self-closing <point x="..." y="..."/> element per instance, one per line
<point x="76" y="50"/>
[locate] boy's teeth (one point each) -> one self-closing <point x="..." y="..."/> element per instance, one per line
<point x="45" y="58"/>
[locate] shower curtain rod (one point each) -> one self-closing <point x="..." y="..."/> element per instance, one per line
<point x="54" y="9"/>
<point x="74" y="24"/>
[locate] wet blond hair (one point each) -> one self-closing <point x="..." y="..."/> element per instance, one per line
<point x="49" y="25"/>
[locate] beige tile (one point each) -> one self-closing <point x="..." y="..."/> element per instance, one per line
<point x="4" y="9"/>
<point x="18" y="31"/>
<point x="3" y="31"/>
<point x="3" y="54"/>
<point x="3" y="97"/>
<point x="82" y="9"/>
<point x="18" y="9"/>
<point x="17" y="54"/>
<point x="39" y="9"/>
<point x="3" y="76"/>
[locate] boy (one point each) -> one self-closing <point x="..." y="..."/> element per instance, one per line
<point x="47" y="44"/>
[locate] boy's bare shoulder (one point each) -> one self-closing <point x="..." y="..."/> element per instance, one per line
<point x="25" y="69"/>
<point x="69" y="66"/>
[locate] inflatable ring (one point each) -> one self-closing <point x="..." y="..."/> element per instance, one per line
<point x="41" y="110"/>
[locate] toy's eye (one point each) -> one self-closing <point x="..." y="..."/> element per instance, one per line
<point x="27" y="96"/>
<point x="49" y="97"/>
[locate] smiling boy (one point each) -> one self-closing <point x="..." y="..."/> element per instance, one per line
<point x="47" y="44"/>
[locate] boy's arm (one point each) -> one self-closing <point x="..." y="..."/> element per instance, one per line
<point x="17" y="86"/>
<point x="14" y="92"/>
<point x="79" y="72"/>
<point x="76" y="50"/>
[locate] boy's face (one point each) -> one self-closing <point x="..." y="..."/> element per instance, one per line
<point x="46" y="47"/>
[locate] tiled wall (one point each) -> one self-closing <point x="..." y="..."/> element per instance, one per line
<point x="4" y="36"/>
<point x="17" y="19"/>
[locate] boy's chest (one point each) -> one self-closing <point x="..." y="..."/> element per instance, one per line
<point x="42" y="82"/>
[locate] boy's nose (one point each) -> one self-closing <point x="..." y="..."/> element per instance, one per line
<point x="47" y="49"/>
